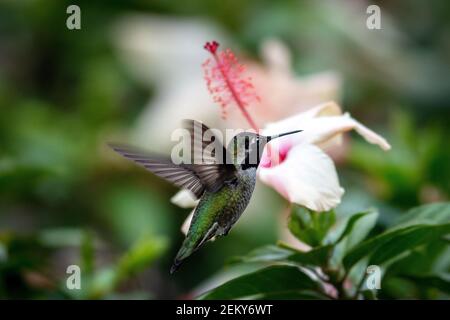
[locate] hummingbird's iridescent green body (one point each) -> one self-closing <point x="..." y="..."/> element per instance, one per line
<point x="224" y="186"/>
<point x="218" y="211"/>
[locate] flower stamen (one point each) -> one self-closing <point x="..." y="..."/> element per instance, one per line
<point x="223" y="76"/>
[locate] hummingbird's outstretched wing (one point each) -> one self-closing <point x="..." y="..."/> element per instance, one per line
<point x="179" y="175"/>
<point x="209" y="155"/>
<point x="206" y="175"/>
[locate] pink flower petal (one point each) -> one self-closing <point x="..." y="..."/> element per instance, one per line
<point x="307" y="177"/>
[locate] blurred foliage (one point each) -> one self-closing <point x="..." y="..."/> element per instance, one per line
<point x="412" y="254"/>
<point x="26" y="265"/>
<point x="415" y="171"/>
<point x="65" y="199"/>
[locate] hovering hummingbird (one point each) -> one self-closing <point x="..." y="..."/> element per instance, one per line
<point x="224" y="182"/>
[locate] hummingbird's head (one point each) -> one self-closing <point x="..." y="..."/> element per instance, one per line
<point x="247" y="147"/>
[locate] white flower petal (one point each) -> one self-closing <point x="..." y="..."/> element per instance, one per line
<point x="322" y="129"/>
<point x="306" y="177"/>
<point x="184" y="199"/>
<point x="322" y="124"/>
<point x="187" y="223"/>
<point x="368" y="134"/>
<point x="300" y="120"/>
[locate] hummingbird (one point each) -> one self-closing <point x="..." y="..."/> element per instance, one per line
<point x="223" y="181"/>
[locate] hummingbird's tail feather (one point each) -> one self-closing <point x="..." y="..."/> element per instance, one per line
<point x="176" y="264"/>
<point x="184" y="252"/>
<point x="190" y="245"/>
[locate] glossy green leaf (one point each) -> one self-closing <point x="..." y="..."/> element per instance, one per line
<point x="268" y="282"/>
<point x="358" y="226"/>
<point x="295" y="295"/>
<point x="310" y="227"/>
<point x="433" y="213"/>
<point x="316" y="256"/>
<point x="423" y="259"/>
<point x="265" y="254"/>
<point x="356" y="230"/>
<point x="424" y="287"/>
<point x="140" y="256"/>
<point x="407" y="241"/>
<point x="391" y="243"/>
<point x="442" y="283"/>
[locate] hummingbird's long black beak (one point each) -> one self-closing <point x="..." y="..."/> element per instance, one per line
<point x="282" y="134"/>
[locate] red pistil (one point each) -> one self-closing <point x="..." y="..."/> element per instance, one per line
<point x="225" y="81"/>
<point x="211" y="46"/>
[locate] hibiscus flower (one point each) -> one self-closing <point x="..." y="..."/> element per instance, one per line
<point x="296" y="166"/>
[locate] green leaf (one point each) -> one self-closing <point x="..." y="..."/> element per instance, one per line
<point x="282" y="253"/>
<point x="310" y="227"/>
<point x="392" y="243"/>
<point x="417" y="227"/>
<point x="87" y="253"/>
<point x="356" y="230"/>
<point x="433" y="213"/>
<point x="416" y="287"/>
<point x="423" y="259"/>
<point x="265" y="254"/>
<point x="295" y="295"/>
<point x="441" y="283"/>
<point x="358" y="227"/>
<point x="267" y="282"/>
<point x="140" y="256"/>
<point x="407" y="241"/>
<point x="316" y="256"/>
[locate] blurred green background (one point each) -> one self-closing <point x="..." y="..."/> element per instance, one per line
<point x="65" y="198"/>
